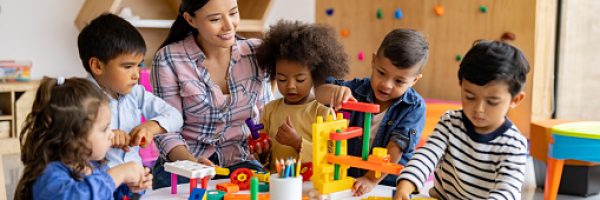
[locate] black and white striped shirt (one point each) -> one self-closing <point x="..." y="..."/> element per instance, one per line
<point x="469" y="165"/>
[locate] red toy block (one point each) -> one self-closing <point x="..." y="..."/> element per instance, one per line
<point x="228" y="187"/>
<point x="306" y="170"/>
<point x="349" y="133"/>
<point x="263" y="140"/>
<point x="361" y="107"/>
<point x="143" y="142"/>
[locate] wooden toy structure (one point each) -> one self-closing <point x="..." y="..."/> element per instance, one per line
<point x="330" y="168"/>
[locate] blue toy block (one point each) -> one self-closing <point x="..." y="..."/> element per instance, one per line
<point x="197" y="194"/>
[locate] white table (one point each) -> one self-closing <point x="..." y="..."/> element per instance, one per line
<point x="183" y="191"/>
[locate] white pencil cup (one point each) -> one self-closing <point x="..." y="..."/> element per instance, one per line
<point x="285" y="188"/>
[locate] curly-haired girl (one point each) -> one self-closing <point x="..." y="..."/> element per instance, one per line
<point x="63" y="144"/>
<point x="298" y="56"/>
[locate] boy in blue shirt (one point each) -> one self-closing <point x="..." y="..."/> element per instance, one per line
<point x="396" y="67"/>
<point x="112" y="51"/>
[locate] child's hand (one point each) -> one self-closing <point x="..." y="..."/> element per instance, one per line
<point x="144" y="184"/>
<point x="144" y="131"/>
<point x="340" y="95"/>
<point x="129" y="173"/>
<point x="404" y="189"/>
<point x="121" y="140"/>
<point x="261" y="149"/>
<point x="363" y="185"/>
<point x="286" y="135"/>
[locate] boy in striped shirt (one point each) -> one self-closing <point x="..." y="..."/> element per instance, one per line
<point x="476" y="152"/>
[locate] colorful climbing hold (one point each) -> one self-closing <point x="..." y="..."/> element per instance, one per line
<point x="398" y="14"/>
<point x="379" y="13"/>
<point x="438" y="10"/>
<point x="459" y="57"/>
<point x="483" y="9"/>
<point x="329" y="11"/>
<point x="344" y="32"/>
<point x="361" y="55"/>
<point x="508" y="36"/>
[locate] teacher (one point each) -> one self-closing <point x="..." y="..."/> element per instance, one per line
<point x="211" y="76"/>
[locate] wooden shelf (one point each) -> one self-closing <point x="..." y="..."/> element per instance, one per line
<point x="19" y="86"/>
<point x="5" y="117"/>
<point x="10" y="146"/>
<point x="151" y="23"/>
<point x="246" y="25"/>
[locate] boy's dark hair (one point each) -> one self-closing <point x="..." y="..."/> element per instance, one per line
<point x="107" y="37"/>
<point x="313" y="45"/>
<point x="489" y="61"/>
<point x="57" y="129"/>
<point x="405" y="48"/>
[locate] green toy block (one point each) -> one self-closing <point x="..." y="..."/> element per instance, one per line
<point x="263" y="187"/>
<point x="215" y="195"/>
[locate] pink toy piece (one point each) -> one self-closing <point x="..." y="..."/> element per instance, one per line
<point x="361" y="55"/>
<point x="173" y="183"/>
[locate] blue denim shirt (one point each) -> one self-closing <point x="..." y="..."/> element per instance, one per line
<point x="402" y="124"/>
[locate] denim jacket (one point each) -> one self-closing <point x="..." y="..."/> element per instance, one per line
<point x="402" y="124"/>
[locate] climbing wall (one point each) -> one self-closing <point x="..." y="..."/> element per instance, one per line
<point x="451" y="28"/>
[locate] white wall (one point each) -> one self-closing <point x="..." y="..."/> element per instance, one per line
<point x="578" y="71"/>
<point x="44" y="32"/>
<point x="291" y="9"/>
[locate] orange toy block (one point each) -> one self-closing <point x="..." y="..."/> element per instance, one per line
<point x="230" y="196"/>
<point x="361" y="107"/>
<point x="349" y="133"/>
<point x="390" y="168"/>
<point x="228" y="187"/>
<point x="247" y="197"/>
<point x="384" y="159"/>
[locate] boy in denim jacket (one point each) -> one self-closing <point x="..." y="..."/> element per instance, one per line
<point x="396" y="67"/>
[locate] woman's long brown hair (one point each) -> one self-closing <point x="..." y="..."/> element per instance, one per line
<point x="57" y="129"/>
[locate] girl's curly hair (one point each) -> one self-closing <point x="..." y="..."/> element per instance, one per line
<point x="57" y="129"/>
<point x="313" y="45"/>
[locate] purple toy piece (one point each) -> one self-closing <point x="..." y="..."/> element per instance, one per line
<point x="254" y="128"/>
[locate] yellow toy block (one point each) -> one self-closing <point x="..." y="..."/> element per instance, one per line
<point x="335" y="186"/>
<point x="222" y="171"/>
<point x="322" y="170"/>
<point x="380" y="152"/>
<point x="262" y="176"/>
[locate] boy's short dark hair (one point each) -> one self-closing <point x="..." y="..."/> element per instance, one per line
<point x="489" y="61"/>
<point x="313" y="45"/>
<point x="107" y="37"/>
<point x="405" y="48"/>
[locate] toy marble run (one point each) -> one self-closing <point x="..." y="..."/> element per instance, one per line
<point x="330" y="169"/>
